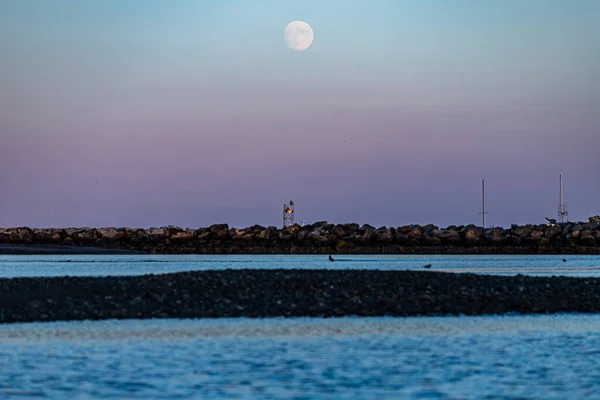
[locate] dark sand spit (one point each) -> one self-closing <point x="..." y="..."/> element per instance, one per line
<point x="291" y="293"/>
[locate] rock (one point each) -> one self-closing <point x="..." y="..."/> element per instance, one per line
<point x="544" y="242"/>
<point x="472" y="236"/>
<point x="350" y="228"/>
<point x="157" y="233"/>
<point x="567" y="229"/>
<point x="587" y="240"/>
<point x="494" y="236"/>
<point x="432" y="241"/>
<point x="219" y="231"/>
<point x="416" y="232"/>
<point x="595" y="220"/>
<point x="111" y="234"/>
<point x="552" y="231"/>
<point x="182" y="236"/>
<point x="536" y="235"/>
<point x="341" y="245"/>
<point x="384" y="235"/>
<point x="317" y="237"/>
<point x="522" y="231"/>
<point x="444" y="234"/>
<point x="203" y="235"/>
<point x="320" y="238"/>
<point x="339" y="231"/>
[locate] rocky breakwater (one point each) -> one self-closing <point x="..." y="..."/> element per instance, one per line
<point x="324" y="238"/>
<point x="291" y="293"/>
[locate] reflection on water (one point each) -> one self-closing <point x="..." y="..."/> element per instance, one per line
<point x="100" y="265"/>
<point x="368" y="358"/>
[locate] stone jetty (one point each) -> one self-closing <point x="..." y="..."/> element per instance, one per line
<point x="291" y="293"/>
<point x="317" y="238"/>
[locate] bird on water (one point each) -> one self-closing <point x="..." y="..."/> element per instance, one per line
<point x="564" y="260"/>
<point x="427" y="266"/>
<point x="331" y="259"/>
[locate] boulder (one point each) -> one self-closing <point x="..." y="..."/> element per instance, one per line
<point x="432" y="241"/>
<point x="522" y="231"/>
<point x="586" y="232"/>
<point x="416" y="232"/>
<point x="21" y="235"/>
<point x="401" y="236"/>
<point x="493" y="236"/>
<point x="429" y="228"/>
<point x="384" y="235"/>
<point x="182" y="236"/>
<point x="578" y="227"/>
<point x="173" y="230"/>
<point x="219" y="231"/>
<point x="552" y="231"/>
<point x="339" y="231"/>
<point x="111" y="234"/>
<point x="446" y="234"/>
<point x="595" y="220"/>
<point x="157" y="233"/>
<point x="567" y="229"/>
<point x="350" y="228"/>
<point x="341" y="245"/>
<point x="472" y="235"/>
<point x="536" y="235"/>
<point x="544" y="242"/>
<point x="587" y="240"/>
<point x="316" y="236"/>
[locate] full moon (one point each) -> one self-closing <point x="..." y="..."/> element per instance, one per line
<point x="298" y="35"/>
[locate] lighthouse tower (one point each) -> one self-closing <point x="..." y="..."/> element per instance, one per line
<point x="288" y="214"/>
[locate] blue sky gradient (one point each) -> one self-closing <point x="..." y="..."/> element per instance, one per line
<point x="146" y="113"/>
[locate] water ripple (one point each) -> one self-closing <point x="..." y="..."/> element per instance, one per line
<point x="368" y="358"/>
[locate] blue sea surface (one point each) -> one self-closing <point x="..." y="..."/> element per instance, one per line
<point x="491" y="357"/>
<point x="102" y="265"/>
<point x="508" y="357"/>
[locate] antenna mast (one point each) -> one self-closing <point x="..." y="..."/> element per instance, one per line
<point x="483" y="212"/>
<point x="562" y="206"/>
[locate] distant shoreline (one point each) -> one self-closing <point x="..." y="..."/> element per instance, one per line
<point x="291" y="293"/>
<point x="317" y="238"/>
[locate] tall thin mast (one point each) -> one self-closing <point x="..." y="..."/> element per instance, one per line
<point x="562" y="206"/>
<point x="483" y="212"/>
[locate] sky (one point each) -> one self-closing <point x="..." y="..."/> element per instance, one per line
<point x="149" y="113"/>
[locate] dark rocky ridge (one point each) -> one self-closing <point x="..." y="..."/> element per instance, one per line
<point x="324" y="238"/>
<point x="289" y="293"/>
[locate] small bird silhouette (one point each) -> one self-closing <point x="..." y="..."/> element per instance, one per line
<point x="564" y="260"/>
<point x="331" y="259"/>
<point x="427" y="266"/>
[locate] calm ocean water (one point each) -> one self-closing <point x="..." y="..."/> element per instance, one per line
<point x="507" y="357"/>
<point x="513" y="357"/>
<point x="100" y="265"/>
